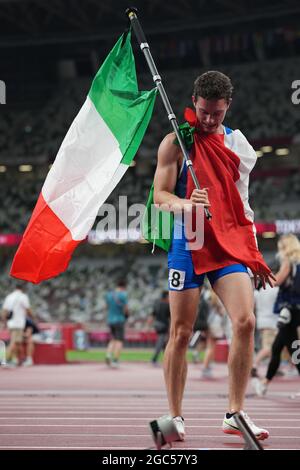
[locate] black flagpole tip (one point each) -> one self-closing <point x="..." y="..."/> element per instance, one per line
<point x="130" y="10"/>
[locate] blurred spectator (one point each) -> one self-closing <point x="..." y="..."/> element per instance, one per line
<point x="215" y="330"/>
<point x="198" y="340"/>
<point x="265" y="323"/>
<point x="117" y="314"/>
<point x="15" y="308"/>
<point x="31" y="329"/>
<point x="161" y="320"/>
<point x="287" y="305"/>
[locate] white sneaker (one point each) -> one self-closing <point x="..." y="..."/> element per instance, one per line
<point x="207" y="373"/>
<point x="108" y="360"/>
<point x="179" y="424"/>
<point x="115" y="364"/>
<point x="28" y="362"/>
<point x="9" y="365"/>
<point x="259" y="387"/>
<point x="230" y="427"/>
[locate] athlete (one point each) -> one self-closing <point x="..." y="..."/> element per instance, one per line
<point x="222" y="159"/>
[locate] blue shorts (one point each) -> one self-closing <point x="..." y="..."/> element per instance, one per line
<point x="181" y="269"/>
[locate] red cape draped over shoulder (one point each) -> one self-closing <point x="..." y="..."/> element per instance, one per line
<point x="229" y="236"/>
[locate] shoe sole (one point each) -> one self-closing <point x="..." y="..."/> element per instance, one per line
<point x="261" y="437"/>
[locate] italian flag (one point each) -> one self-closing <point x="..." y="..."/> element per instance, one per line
<point x="94" y="155"/>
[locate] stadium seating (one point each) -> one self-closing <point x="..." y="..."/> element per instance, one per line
<point x="272" y="197"/>
<point x="79" y="294"/>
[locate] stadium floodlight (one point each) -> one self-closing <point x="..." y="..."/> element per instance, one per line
<point x="25" y="168"/>
<point x="282" y="152"/>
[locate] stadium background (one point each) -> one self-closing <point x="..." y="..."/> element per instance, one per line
<point x="50" y="52"/>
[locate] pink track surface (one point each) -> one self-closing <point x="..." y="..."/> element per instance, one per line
<point x="88" y="406"/>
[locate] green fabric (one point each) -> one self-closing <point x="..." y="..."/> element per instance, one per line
<point x="156" y="222"/>
<point x="187" y="134"/>
<point x="114" y="93"/>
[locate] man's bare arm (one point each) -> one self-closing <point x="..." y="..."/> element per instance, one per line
<point x="166" y="177"/>
<point x="4" y="314"/>
<point x="29" y="313"/>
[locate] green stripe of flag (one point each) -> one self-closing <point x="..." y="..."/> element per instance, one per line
<point x="114" y="92"/>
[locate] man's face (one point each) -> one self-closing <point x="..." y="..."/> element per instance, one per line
<point x="210" y="114"/>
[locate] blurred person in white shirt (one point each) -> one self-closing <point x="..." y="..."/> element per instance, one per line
<point x="16" y="307"/>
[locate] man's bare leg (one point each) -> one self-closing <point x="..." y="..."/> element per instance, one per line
<point x="12" y="351"/>
<point x="236" y="293"/>
<point x="29" y="348"/>
<point x="209" y="352"/>
<point x="117" y="349"/>
<point x="262" y="354"/>
<point x="183" y="306"/>
<point x="110" y="347"/>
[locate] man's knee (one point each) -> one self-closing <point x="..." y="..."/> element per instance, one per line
<point x="244" y="324"/>
<point x="181" y="335"/>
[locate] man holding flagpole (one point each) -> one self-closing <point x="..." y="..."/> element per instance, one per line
<point x="222" y="159"/>
<point x="95" y="154"/>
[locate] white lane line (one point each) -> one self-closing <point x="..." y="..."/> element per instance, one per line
<point x="130" y="397"/>
<point x="81" y="419"/>
<point x="118" y="426"/>
<point x="198" y="406"/>
<point x="129" y="393"/>
<point x="253" y="398"/>
<point x="130" y="435"/>
<point x="69" y="448"/>
<point x="126" y="407"/>
<point x="114" y="399"/>
<point x="200" y="436"/>
<point x="259" y="403"/>
<point x="236" y="439"/>
<point x="81" y="435"/>
<point x="127" y="448"/>
<point x="132" y="413"/>
<point x="133" y="448"/>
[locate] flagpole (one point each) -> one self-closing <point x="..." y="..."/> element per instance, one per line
<point x="131" y="12"/>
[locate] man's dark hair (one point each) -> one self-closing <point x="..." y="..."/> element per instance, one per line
<point x="20" y="285"/>
<point x="121" y="283"/>
<point x="213" y="85"/>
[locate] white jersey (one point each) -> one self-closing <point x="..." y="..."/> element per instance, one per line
<point x="17" y="302"/>
<point x="264" y="303"/>
<point x="238" y="144"/>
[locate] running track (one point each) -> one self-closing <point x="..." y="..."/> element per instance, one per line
<point x="88" y="406"/>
